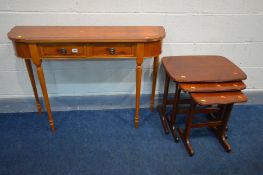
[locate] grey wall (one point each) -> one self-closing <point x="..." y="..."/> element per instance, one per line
<point x="232" y="28"/>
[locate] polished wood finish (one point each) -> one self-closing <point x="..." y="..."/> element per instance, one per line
<point x="110" y="49"/>
<point x="213" y="87"/>
<point x="37" y="61"/>
<point x="55" y="50"/>
<point x="219" y="124"/>
<point x="151" y="49"/>
<point x="86" y="34"/>
<point x="203" y="68"/>
<point x="176" y="100"/>
<point x="185" y="135"/>
<point x="219" y="97"/>
<point x="89" y="42"/>
<point x="22" y="50"/>
<point x="33" y="84"/>
<point x="162" y="109"/>
<point x="221" y="131"/>
<point x="155" y="72"/>
<point x="139" y="61"/>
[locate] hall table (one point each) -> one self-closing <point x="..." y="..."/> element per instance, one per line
<point x="37" y="43"/>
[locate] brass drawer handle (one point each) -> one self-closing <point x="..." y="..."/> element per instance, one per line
<point x="63" y="51"/>
<point x="112" y="51"/>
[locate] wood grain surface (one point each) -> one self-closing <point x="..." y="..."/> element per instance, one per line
<point x="86" y="33"/>
<point x="202" y="68"/>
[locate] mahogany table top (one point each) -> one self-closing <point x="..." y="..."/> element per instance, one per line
<point x="219" y="97"/>
<point x="202" y="68"/>
<point x="212" y="87"/>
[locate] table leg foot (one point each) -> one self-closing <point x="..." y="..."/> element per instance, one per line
<point x="223" y="140"/>
<point x="173" y="131"/>
<point x="186" y="142"/>
<point x="52" y="126"/>
<point x="136" y="122"/>
<point x="225" y="144"/>
<point x="152" y="107"/>
<point x="39" y="109"/>
<point x="45" y="95"/>
<point x="163" y="119"/>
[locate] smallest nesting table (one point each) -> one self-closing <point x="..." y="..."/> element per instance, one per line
<point x="213" y="83"/>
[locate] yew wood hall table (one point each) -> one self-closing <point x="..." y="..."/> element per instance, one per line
<point x="37" y="43"/>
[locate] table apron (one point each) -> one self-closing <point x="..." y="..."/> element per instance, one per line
<point x="88" y="50"/>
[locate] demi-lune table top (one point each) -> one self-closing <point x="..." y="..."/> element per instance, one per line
<point x="31" y="34"/>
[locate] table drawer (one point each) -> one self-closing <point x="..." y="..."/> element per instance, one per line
<point x="62" y="50"/>
<point x="112" y="50"/>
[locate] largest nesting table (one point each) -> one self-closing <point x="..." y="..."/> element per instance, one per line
<point x="36" y="43"/>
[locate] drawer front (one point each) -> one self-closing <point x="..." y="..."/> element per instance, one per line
<point x="112" y="50"/>
<point x="62" y="50"/>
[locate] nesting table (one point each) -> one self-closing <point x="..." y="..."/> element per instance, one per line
<point x="213" y="83"/>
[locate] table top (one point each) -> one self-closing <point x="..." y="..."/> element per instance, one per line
<point x="31" y="34"/>
<point x="212" y="87"/>
<point x="202" y="68"/>
<point x="219" y="97"/>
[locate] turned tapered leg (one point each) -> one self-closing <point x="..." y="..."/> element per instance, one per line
<point x="139" y="61"/>
<point x="138" y="92"/>
<point x="37" y="61"/>
<point x="45" y="95"/>
<point x="155" y="71"/>
<point x="33" y="83"/>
